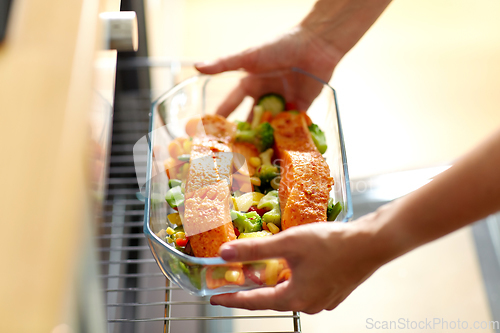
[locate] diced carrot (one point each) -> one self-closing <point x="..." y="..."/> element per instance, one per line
<point x="214" y="283"/>
<point x="181" y="241"/>
<point x="284" y="275"/>
<point x="175" y="149"/>
<point x="192" y="126"/>
<point x="172" y="168"/>
<point x="264" y="226"/>
<point x="243" y="151"/>
<point x="241" y="183"/>
<point x="267" y="116"/>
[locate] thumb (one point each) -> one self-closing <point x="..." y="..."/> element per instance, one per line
<point x="240" y="60"/>
<point x="255" y="249"/>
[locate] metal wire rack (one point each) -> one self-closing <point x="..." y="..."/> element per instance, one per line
<point x="138" y="297"/>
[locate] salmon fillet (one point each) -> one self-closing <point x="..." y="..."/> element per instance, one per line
<point x="207" y="219"/>
<point x="305" y="176"/>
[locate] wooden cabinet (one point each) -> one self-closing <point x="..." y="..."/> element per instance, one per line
<point x="51" y="74"/>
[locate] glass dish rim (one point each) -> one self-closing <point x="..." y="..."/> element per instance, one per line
<point x="217" y="260"/>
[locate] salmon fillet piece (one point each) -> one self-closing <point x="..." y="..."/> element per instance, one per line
<point x="207" y="219"/>
<point x="305" y="176"/>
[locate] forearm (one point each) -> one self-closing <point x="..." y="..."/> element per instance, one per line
<point x="467" y="192"/>
<point x="343" y="22"/>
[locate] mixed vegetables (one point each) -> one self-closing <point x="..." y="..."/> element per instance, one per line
<point x="255" y="207"/>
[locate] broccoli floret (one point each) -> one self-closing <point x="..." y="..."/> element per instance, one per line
<point x="261" y="136"/>
<point x="243" y="126"/>
<point x="333" y="210"/>
<point x="246" y="222"/>
<point x="266" y="156"/>
<point x="318" y="137"/>
<point x="266" y="172"/>
<point x="271" y="202"/>
<point x="265" y="136"/>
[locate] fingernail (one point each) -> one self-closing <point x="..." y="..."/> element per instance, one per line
<point x="204" y="63"/>
<point x="212" y="302"/>
<point x="228" y="253"/>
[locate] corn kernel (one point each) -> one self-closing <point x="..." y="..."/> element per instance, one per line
<point x="170" y="231"/>
<point x="255" y="181"/>
<point x="232" y="276"/>
<point x="273" y="228"/>
<point x="175" y="218"/>
<point x="169" y="240"/>
<point x="180" y="234"/>
<point x="233" y="199"/>
<point x="255" y="161"/>
<point x="187" y="146"/>
<point x="271" y="272"/>
<point x="184" y="170"/>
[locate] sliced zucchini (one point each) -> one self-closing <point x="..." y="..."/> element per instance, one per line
<point x="272" y="102"/>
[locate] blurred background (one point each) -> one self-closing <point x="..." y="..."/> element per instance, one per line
<point x="419" y="90"/>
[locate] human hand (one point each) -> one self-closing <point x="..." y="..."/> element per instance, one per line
<point x="328" y="261"/>
<point x="299" y="48"/>
<point x="316" y="46"/>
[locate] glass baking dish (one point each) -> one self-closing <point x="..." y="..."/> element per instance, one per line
<point x="202" y="95"/>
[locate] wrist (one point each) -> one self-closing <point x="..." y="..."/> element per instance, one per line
<point x="383" y="237"/>
<point x="341" y="23"/>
